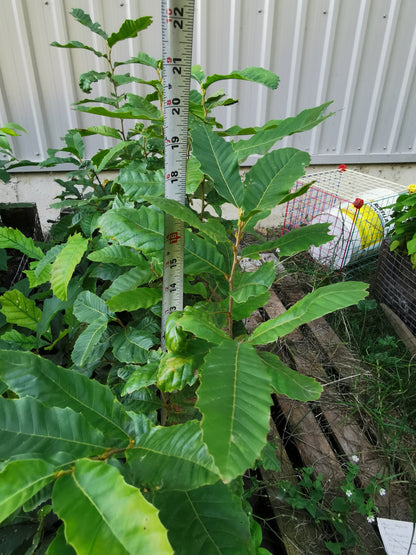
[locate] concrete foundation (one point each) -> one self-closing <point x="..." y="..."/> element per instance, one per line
<point x="42" y="189"/>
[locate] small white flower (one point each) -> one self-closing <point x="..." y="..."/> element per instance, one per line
<point x="371" y="518"/>
<point x="382" y="492"/>
<point x="348" y="493"/>
<point x="355" y="458"/>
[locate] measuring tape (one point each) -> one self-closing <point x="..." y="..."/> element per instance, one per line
<point x="177" y="32"/>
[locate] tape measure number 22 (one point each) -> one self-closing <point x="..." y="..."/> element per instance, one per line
<point x="177" y="33"/>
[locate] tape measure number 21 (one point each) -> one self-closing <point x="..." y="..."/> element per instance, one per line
<point x="177" y="33"/>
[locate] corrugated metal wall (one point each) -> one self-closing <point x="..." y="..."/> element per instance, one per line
<point x="359" y="53"/>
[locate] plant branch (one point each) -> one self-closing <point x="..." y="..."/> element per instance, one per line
<point x="238" y="237"/>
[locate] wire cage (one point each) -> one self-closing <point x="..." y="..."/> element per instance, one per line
<point x="356" y="206"/>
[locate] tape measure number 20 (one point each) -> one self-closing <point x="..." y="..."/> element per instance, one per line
<point x="177" y="33"/>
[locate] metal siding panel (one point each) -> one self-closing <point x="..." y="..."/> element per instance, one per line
<point x="360" y="53"/>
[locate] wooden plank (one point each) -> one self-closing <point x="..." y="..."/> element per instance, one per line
<point x="349" y="434"/>
<point x="310" y="440"/>
<point x="298" y="532"/>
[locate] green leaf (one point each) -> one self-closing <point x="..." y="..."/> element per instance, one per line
<point x="65" y="264"/>
<point x="202" y="256"/>
<point x="20" y="310"/>
<point x="84" y="351"/>
<point x="264" y="138"/>
<point x="103" y="130"/>
<point x="212" y="228"/>
<point x="138" y="182"/>
<point x="141" y="58"/>
<point x="252" y="284"/>
<point x="96" y="498"/>
<point x="129" y="30"/>
<point x="143" y="110"/>
<point x="197" y="73"/>
<point x="199" y="323"/>
<point x="172" y="458"/>
<point x="256" y="74"/>
<point x="14" y="239"/>
<point x="289" y="382"/>
<point x="205" y="521"/>
<point x="194" y="175"/>
<point x="271" y="178"/>
<point x="234" y="399"/>
<point x="141" y="229"/>
<point x="77" y="44"/>
<point x="296" y="240"/>
<point x="129" y="281"/>
<point x="268" y="459"/>
<point x="131" y="345"/>
<point x="314" y="305"/>
<point x="87" y="79"/>
<point x="29" y="428"/>
<point x="90" y="308"/>
<point x="142" y="377"/>
<point x="176" y="370"/>
<point x="18" y="341"/>
<point x="219" y="161"/>
<point x="122" y="256"/>
<point x="245" y="309"/>
<point x="143" y="297"/>
<point x="112" y="154"/>
<point x="30" y="375"/>
<point x="83" y="18"/>
<point x="19" y="481"/>
<point x="58" y="546"/>
<point x="10" y="129"/>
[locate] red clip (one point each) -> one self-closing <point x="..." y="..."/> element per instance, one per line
<point x="358" y="203"/>
<point x="342" y="167"/>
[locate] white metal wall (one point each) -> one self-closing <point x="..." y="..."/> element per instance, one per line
<point x="359" y="53"/>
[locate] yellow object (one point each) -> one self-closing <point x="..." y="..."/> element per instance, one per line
<point x="368" y="224"/>
<point x="412" y="188"/>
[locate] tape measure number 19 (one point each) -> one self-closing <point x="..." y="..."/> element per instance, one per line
<point x="177" y="32"/>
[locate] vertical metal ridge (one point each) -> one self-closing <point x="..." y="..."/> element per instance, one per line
<point x="325" y="67"/>
<point x="265" y="56"/>
<point x="382" y="66"/>
<point x="66" y="68"/>
<point x="295" y="62"/>
<point x="352" y="79"/>
<point x="408" y="76"/>
<point x="32" y="84"/>
<point x="199" y="33"/>
<point x="96" y="13"/>
<point x="233" y="39"/>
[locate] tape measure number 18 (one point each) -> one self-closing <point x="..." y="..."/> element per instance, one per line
<point x="177" y="32"/>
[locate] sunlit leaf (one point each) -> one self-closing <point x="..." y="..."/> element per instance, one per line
<point x="234" y="399"/>
<point x="65" y="264"/>
<point x="20" y="310"/>
<point x="96" y="498"/>
<point x="14" y="239"/>
<point x="19" y="481"/>
<point x="322" y="301"/>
